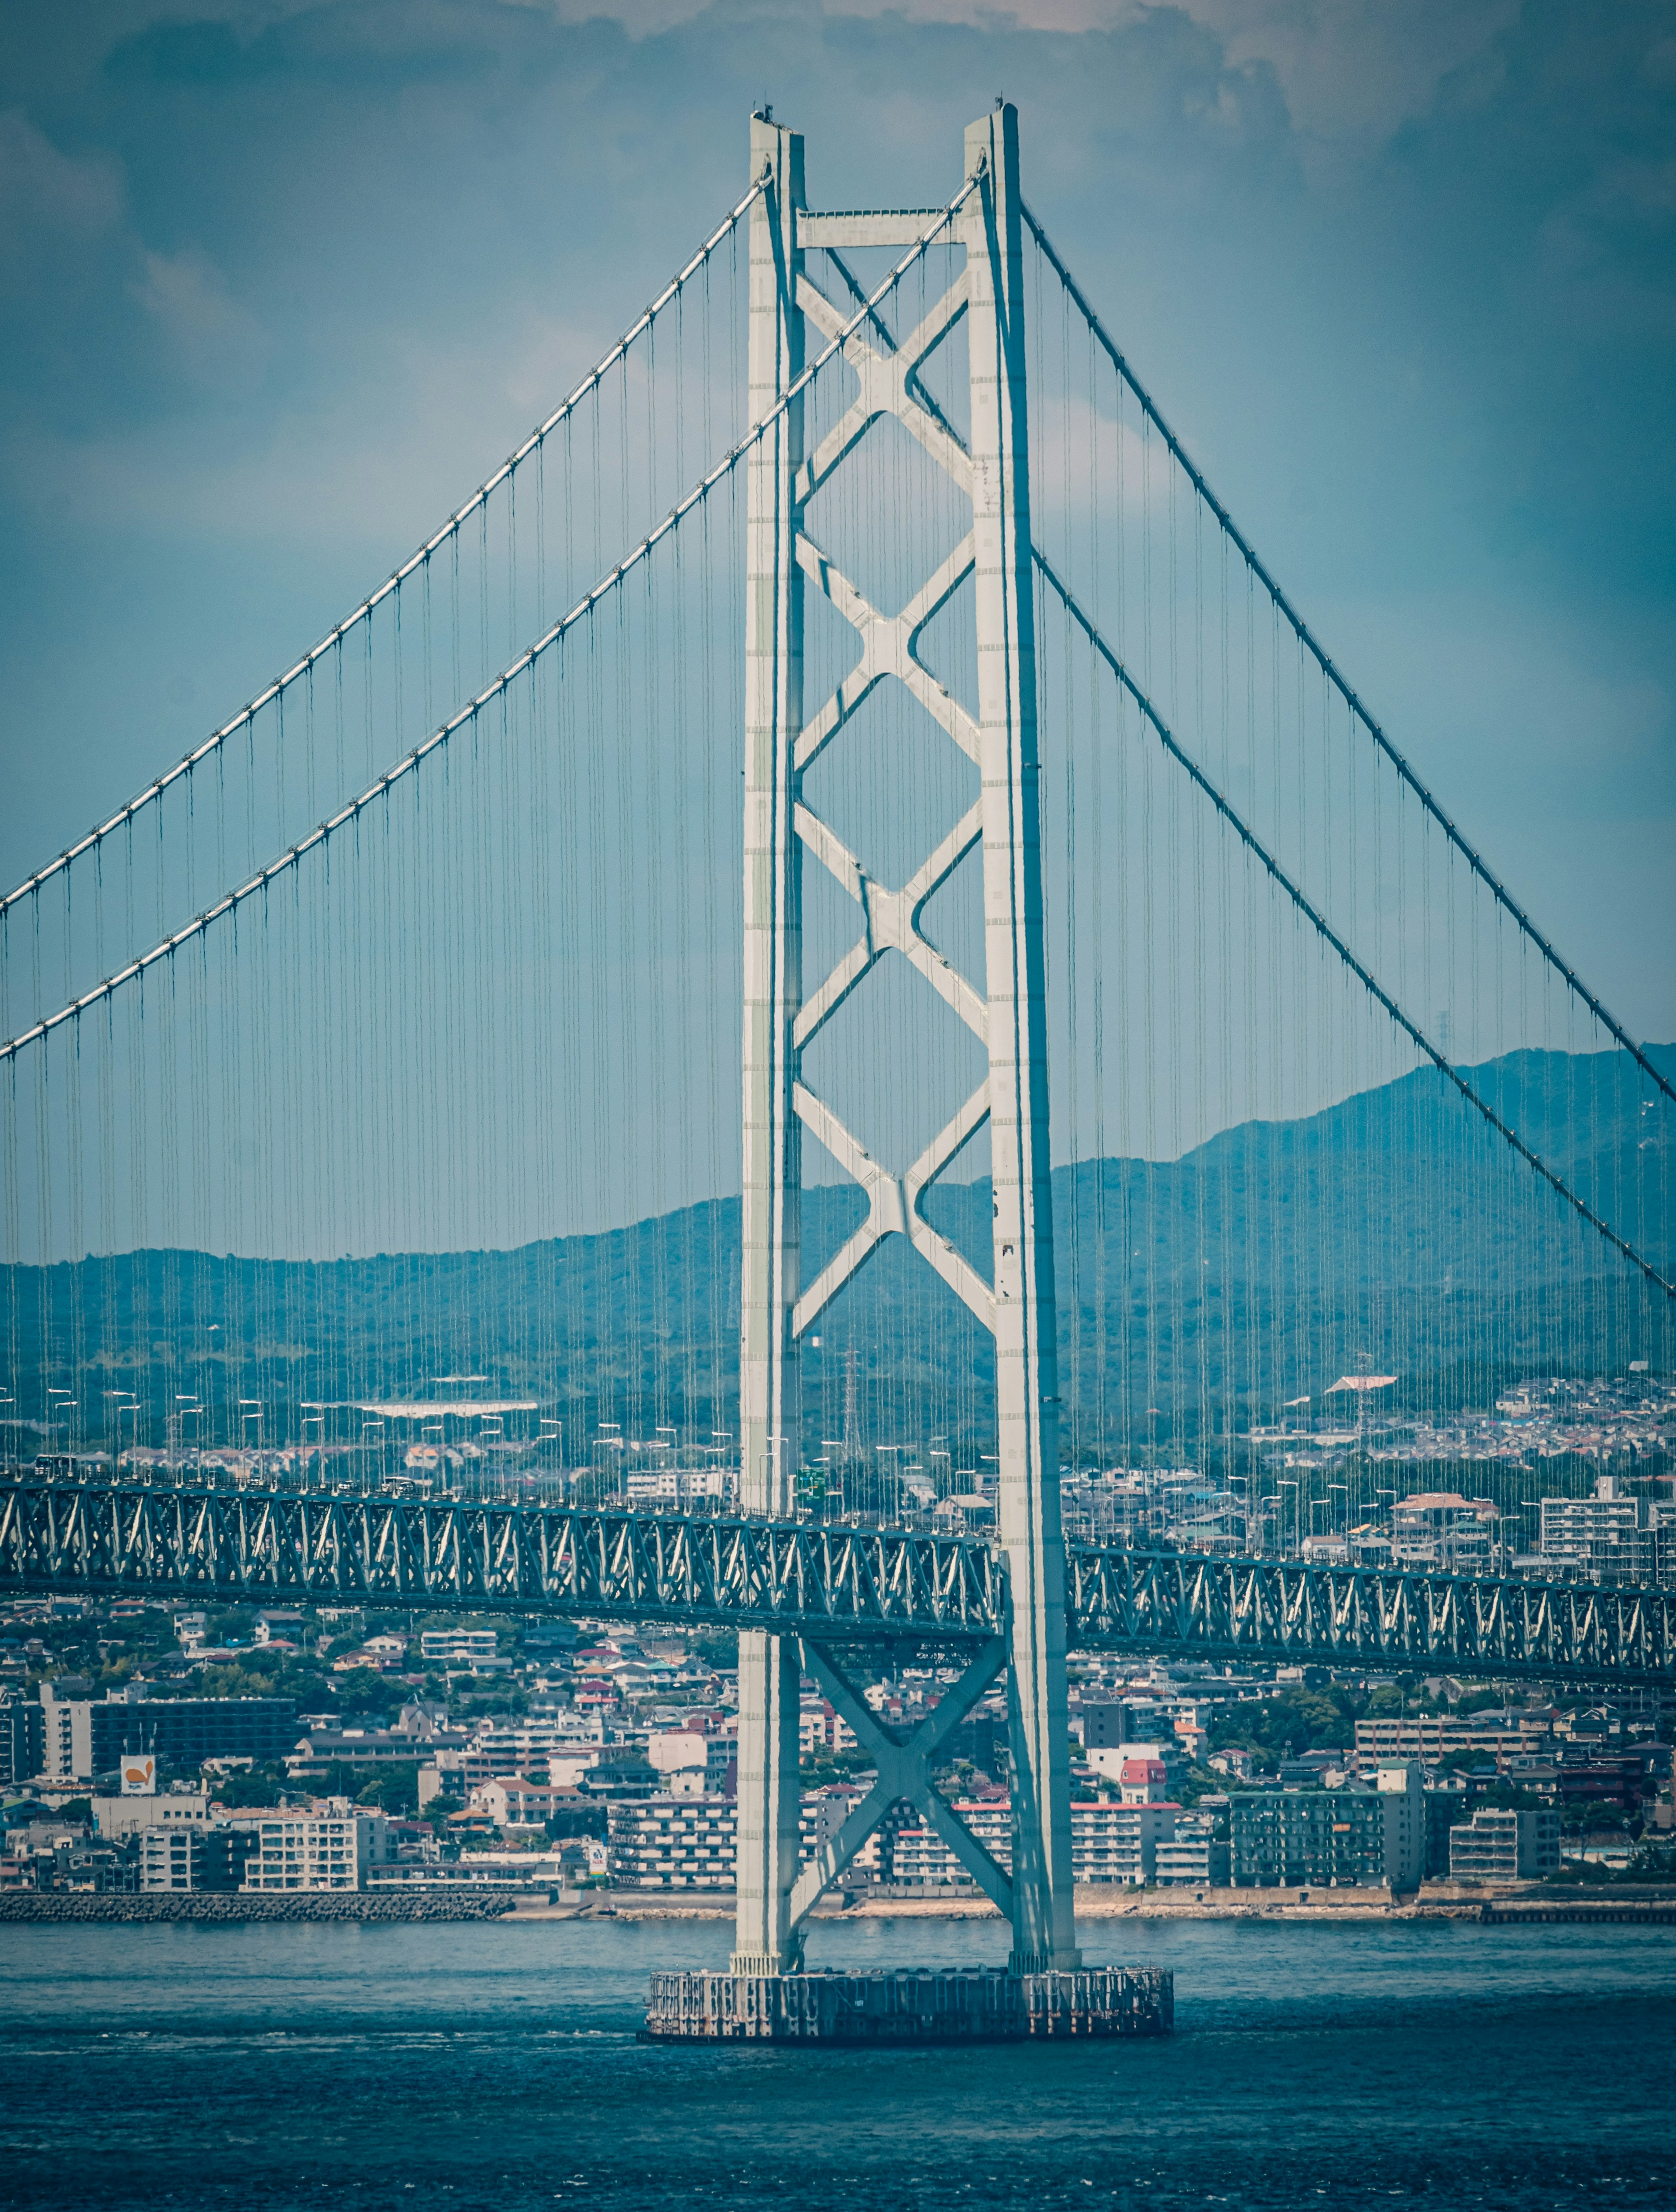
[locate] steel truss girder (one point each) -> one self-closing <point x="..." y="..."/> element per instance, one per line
<point x="828" y="1585"/>
<point x="791" y="1578"/>
<point x="1278" y="1609"/>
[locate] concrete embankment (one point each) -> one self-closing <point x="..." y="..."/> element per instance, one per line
<point x="1501" y="1905"/>
<point x="1506" y="1902"/>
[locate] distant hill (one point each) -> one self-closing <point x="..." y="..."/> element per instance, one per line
<point x="1195" y="1295"/>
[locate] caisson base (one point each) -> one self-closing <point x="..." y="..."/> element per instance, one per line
<point x="909" y="2005"/>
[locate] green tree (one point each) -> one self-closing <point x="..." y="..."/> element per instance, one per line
<point x="393" y="1789"/>
<point x="234" y="1790"/>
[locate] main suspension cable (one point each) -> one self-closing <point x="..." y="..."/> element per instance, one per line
<point x="1313" y="915"/>
<point x="585" y="606"/>
<point x="450" y="531"/>
<point x="1329" y="669"/>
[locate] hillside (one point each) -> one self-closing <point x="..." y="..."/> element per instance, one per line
<point x="1194" y="1295"/>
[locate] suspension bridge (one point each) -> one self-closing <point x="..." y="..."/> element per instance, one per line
<point x="432" y="953"/>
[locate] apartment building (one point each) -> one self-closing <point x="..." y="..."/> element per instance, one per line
<point x="331" y="1846"/>
<point x="1192" y="1857"/>
<point x="1611" y="1537"/>
<point x="1431" y="1736"/>
<point x="457" y="1647"/>
<point x="1501" y="1844"/>
<point x="1331" y="1838"/>
<point x="1110" y="1842"/>
<point x="671" y="1843"/>
<point x="84" y="1736"/>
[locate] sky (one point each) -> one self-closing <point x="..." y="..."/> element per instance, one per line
<point x="280" y="284"/>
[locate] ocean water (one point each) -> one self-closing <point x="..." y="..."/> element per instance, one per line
<point x="463" y="2066"/>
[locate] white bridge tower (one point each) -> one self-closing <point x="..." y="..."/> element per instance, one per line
<point x="1006" y="1009"/>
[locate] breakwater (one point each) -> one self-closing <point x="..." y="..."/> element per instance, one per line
<point x="232" y="1907"/>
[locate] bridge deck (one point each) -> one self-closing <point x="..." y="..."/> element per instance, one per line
<point x="832" y="1584"/>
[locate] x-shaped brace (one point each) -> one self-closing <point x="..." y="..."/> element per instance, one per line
<point x="893" y="1206"/>
<point x="890" y="919"/>
<point x="903" y="1771"/>
<point x="884" y="374"/>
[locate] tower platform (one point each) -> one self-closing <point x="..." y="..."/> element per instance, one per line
<point x="909" y="2005"/>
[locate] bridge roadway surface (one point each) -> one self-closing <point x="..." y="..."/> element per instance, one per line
<point x="833" y="1584"/>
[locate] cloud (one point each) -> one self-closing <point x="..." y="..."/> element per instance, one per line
<point x="50" y="197"/>
<point x="1354" y="71"/>
<point x="213" y="339"/>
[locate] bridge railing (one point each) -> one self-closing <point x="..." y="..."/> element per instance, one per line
<point x="829" y="1583"/>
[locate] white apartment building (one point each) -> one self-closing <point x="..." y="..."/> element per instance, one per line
<point x="1110" y="1842"/>
<point x="516" y="1802"/>
<point x="1502" y="1844"/>
<point x="1192" y="1857"/>
<point x="1115" y="1842"/>
<point x="172" y="1857"/>
<point x="68" y="1731"/>
<point x="672" y="1842"/>
<point x="331" y="1846"/>
<point x="458" y="1647"/>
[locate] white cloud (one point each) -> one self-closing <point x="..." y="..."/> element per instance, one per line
<point x="1354" y="71"/>
<point x="216" y="340"/>
<point x="47" y="196"/>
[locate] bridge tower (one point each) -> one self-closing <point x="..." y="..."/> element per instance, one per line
<point x="1006" y="1011"/>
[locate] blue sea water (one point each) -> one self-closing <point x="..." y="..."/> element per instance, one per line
<point x="461" y="2066"/>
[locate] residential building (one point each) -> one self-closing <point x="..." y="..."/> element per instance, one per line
<point x="1191" y="1856"/>
<point x="560" y="1745"/>
<point x="1117" y="1840"/>
<point x="1445" y="1807"/>
<point x="85" y="1736"/>
<point x="322" y="1749"/>
<point x="277" y="1625"/>
<point x="115" y="1818"/>
<point x="1500" y="1844"/>
<point x="1441" y="1529"/>
<point x="516" y="1802"/>
<point x="1111" y="1841"/>
<point x="330" y="1846"/>
<point x="458" y="1647"/>
<point x="23" y="1738"/>
<point x="671" y="1843"/>
<point x="1611" y="1537"/>
<point x="172" y="1858"/>
<point x="1332" y="1837"/>
<point x="1432" y="1736"/>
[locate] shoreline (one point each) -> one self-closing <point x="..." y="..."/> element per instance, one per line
<point x="1500" y="1904"/>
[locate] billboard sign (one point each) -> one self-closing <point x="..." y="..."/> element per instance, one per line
<point x="139" y="1774"/>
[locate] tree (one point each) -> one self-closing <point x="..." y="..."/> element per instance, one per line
<point x="393" y="1789"/>
<point x="263" y="1788"/>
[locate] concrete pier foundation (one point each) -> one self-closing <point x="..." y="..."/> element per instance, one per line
<point x="909" y="2005"/>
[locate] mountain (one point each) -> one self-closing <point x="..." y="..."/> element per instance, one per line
<point x="1394" y="1231"/>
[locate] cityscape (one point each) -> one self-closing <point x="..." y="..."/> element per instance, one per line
<point x="581" y="1766"/>
<point x="838" y="1291"/>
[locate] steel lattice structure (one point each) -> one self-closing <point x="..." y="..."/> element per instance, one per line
<point x="1282" y="1609"/>
<point x="837" y="1585"/>
<point x="696" y="1571"/>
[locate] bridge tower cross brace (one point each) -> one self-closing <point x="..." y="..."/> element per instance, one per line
<point x="1009" y="1015"/>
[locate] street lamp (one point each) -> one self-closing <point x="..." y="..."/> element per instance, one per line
<point x="1296" y="1537"/>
